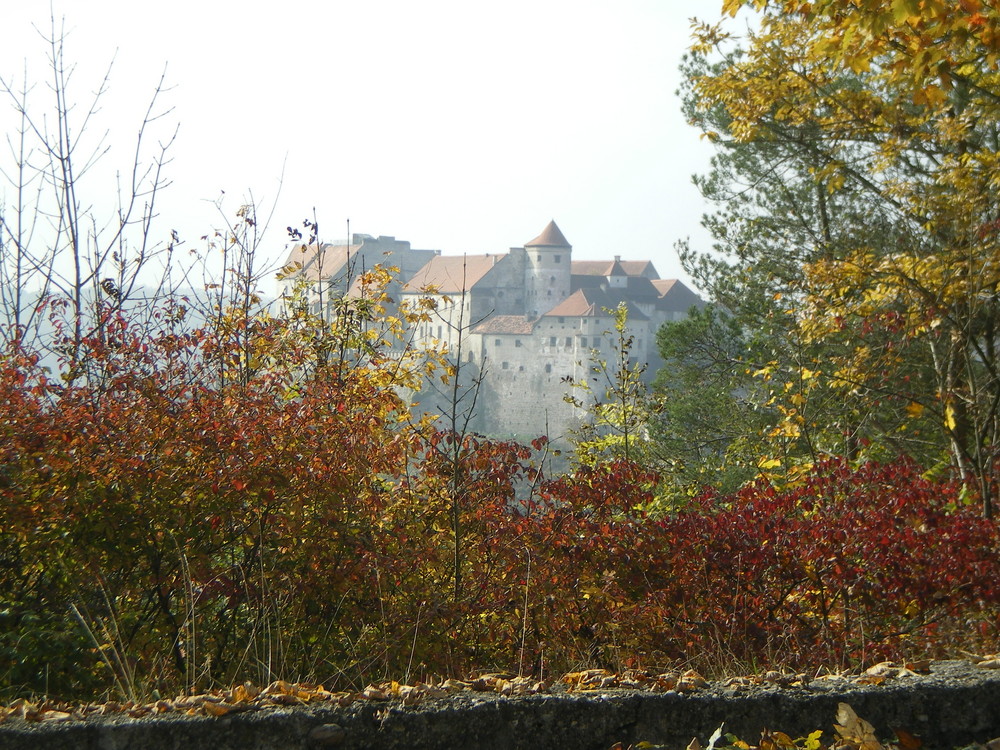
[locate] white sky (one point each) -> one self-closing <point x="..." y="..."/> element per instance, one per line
<point x="459" y="126"/>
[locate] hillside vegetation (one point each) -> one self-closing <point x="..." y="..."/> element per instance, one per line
<point x="202" y="491"/>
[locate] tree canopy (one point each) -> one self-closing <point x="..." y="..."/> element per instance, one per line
<point x="870" y="131"/>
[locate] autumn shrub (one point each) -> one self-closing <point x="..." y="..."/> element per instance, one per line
<point x="854" y="565"/>
<point x="205" y="507"/>
<point x="194" y="527"/>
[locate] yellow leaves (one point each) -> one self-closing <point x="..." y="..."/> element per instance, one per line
<point x="706" y="37"/>
<point x="949" y="417"/>
<point x="904" y="10"/>
<point x="602" y="679"/>
<point x="856" y="732"/>
<point x="914" y="410"/>
<point x="931" y="96"/>
<point x="766" y="372"/>
<point x="731" y="7"/>
<point x="786" y="429"/>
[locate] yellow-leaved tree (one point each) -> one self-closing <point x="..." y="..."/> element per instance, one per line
<point x="899" y="102"/>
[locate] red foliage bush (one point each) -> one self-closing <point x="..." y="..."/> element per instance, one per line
<point x="163" y="525"/>
<point x="853" y="565"/>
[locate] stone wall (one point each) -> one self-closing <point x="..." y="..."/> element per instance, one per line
<point x="953" y="707"/>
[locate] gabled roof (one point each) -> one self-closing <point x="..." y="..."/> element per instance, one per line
<point x="591" y="267"/>
<point x="322" y="259"/>
<point x="550" y="237"/>
<point x="451" y="274"/>
<point x="640" y="268"/>
<point x="675" y="296"/>
<point x="505" y="324"/>
<point x="579" y="304"/>
<point x="604" y="267"/>
<point x="616" y="270"/>
<point x="593" y="303"/>
<point x="641" y="289"/>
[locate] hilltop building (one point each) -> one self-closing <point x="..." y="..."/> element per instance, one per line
<point x="522" y="322"/>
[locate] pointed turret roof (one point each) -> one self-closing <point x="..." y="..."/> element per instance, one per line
<point x="550" y="237"/>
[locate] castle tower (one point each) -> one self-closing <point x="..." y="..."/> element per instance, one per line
<point x="547" y="271"/>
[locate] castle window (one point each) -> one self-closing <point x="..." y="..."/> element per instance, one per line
<point x="562" y="319"/>
<point x="550" y="293"/>
<point x="597" y="342"/>
<point x="521" y="368"/>
<point x="504" y="365"/>
<point x="439" y="332"/>
<point x="556" y="258"/>
<point x="548" y="368"/>
<point x="552" y="279"/>
<point x="569" y="341"/>
<point x="517" y="342"/>
<point x="552" y="340"/>
<point x="583" y="341"/>
<point x="497" y="342"/>
<point x="539" y="257"/>
<point x="472" y="356"/>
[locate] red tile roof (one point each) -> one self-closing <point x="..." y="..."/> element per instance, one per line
<point x="331" y="258"/>
<point x="594" y="303"/>
<point x="450" y="274"/>
<point x="550" y="237"/>
<point x="505" y="324"/>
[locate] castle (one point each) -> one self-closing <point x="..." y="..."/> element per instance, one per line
<point x="521" y="323"/>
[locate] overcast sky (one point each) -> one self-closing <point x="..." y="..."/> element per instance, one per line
<point x="458" y="126"/>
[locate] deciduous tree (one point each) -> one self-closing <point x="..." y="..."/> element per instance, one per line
<point x="896" y="102"/>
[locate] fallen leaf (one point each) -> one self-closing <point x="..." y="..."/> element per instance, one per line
<point x="855" y="730"/>
<point x="215" y="709"/>
<point x="373" y="693"/>
<point x="907" y="741"/>
<point x="883" y="669"/>
<point x="716" y="736"/>
<point x="56" y="716"/>
<point x="694" y="678"/>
